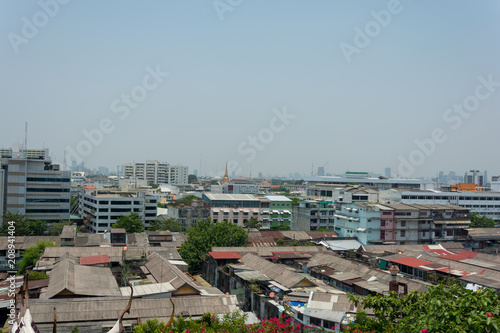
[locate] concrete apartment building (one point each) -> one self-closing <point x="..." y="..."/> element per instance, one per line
<point x="312" y="214"/>
<point x="342" y="193"/>
<point x="402" y="224"/>
<point x="157" y="172"/>
<point x="423" y="224"/>
<point x="361" y="220"/>
<point x="483" y="203"/>
<point x="232" y="207"/>
<point x="101" y="208"/>
<point x="31" y="185"/>
<point x="189" y="215"/>
<point x="280" y="210"/>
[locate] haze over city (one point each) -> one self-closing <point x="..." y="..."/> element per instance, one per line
<point x="274" y="87"/>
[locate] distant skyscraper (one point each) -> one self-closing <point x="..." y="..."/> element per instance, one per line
<point x="474" y="177"/>
<point x="441" y="177"/>
<point x="195" y="172"/>
<point x="485" y="177"/>
<point x="260" y="174"/>
<point x="321" y="171"/>
<point x="388" y="172"/>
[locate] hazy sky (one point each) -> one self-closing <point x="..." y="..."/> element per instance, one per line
<point x="274" y="86"/>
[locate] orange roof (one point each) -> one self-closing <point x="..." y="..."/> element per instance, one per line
<point x="225" y="255"/>
<point x="464" y="187"/>
<point x="95" y="260"/>
<point x="89" y="187"/>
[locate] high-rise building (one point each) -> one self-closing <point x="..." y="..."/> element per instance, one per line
<point x="157" y="172"/>
<point x="321" y="171"/>
<point x="388" y="172"/>
<point x="31" y="185"/>
<point x="474" y="177"/>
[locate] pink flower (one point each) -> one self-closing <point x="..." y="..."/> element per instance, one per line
<point x="489" y="314"/>
<point x="424" y="330"/>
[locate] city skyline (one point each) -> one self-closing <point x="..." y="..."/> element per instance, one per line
<point x="274" y="88"/>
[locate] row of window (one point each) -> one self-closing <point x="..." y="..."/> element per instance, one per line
<point x="59" y="180"/>
<point x="47" y="189"/>
<point x="47" y="200"/>
<point x="37" y="211"/>
<point x="437" y="197"/>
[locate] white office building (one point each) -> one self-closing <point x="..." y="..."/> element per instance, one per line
<point x="157" y="172"/>
<point x="101" y="208"/>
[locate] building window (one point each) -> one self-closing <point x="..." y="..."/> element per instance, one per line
<point x="403" y="223"/>
<point x="329" y="324"/>
<point x="315" y="321"/>
<point x="403" y="233"/>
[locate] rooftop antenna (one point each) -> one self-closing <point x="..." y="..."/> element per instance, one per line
<point x="25" y="135"/>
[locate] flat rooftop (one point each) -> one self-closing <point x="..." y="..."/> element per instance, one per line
<point x="232" y="197"/>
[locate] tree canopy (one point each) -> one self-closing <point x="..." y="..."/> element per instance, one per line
<point x="131" y="223"/>
<point x="23" y="227"/>
<point x="206" y="234"/>
<point x="171" y="224"/>
<point x="188" y="198"/>
<point x="478" y="221"/>
<point x="253" y="222"/>
<point x="439" y="309"/>
<point x="56" y="228"/>
<point x="32" y="254"/>
<point x="192" y="179"/>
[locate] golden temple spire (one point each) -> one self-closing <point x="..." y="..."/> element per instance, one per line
<point x="225" y="180"/>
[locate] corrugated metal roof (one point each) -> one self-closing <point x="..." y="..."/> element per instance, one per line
<point x="81" y="280"/>
<point x="276" y="272"/>
<point x="225" y="255"/>
<point x="412" y="262"/>
<point x="95" y="260"/>
<point x="335" y="316"/>
<point x="99" y="311"/>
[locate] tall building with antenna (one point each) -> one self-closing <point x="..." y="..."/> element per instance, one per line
<point x="31" y="185"/>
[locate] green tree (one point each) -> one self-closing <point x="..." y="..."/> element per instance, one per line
<point x="22" y="226"/>
<point x="131" y="223"/>
<point x="171" y="224"/>
<point x="295" y="201"/>
<point x="439" y="309"/>
<point x="252" y="223"/>
<point x="189" y="198"/>
<point x="34" y="275"/>
<point x="32" y="254"/>
<point x="280" y="242"/>
<point x="150" y="326"/>
<point x="281" y="189"/>
<point x="478" y="221"/>
<point x="192" y="179"/>
<point x="56" y="228"/>
<point x="153" y="185"/>
<point x="322" y="229"/>
<point x="206" y="234"/>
